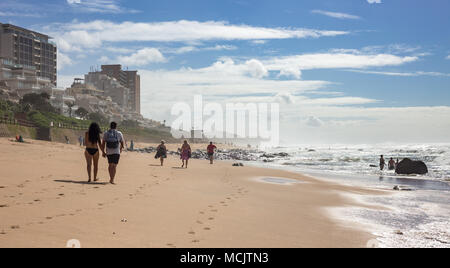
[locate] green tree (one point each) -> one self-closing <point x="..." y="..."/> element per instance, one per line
<point x="98" y="118"/>
<point x="82" y="113"/>
<point x="40" y="102"/>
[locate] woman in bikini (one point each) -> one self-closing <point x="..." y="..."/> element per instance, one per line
<point x="93" y="144"/>
<point x="185" y="153"/>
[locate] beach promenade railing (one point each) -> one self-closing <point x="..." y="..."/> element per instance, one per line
<point x="17" y="122"/>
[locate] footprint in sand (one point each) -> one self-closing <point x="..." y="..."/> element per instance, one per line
<point x="37" y="200"/>
<point x="207" y="229"/>
<point x="49" y="218"/>
<point x="191" y="233"/>
<point x="15" y="227"/>
<point x="171" y="245"/>
<point x="195" y="241"/>
<point x="199" y="222"/>
<point x="201" y="212"/>
<point x="211" y="219"/>
<point x="2" y="187"/>
<point x="61" y="194"/>
<point x="214" y="210"/>
<point x="2" y="232"/>
<point x="3" y="206"/>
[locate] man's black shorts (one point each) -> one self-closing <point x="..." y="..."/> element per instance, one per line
<point x="114" y="159"/>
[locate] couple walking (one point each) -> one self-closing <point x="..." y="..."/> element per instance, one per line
<point x="111" y="145"/>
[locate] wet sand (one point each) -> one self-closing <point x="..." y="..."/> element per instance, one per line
<point x="45" y="201"/>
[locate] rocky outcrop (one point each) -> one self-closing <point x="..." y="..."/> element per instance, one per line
<point x="408" y="167"/>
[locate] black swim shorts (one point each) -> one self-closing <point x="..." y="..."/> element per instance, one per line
<point x="114" y="159"/>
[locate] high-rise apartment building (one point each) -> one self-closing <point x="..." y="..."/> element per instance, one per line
<point x="29" y="48"/>
<point x="130" y="80"/>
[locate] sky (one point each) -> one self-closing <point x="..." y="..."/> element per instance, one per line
<point x="354" y="71"/>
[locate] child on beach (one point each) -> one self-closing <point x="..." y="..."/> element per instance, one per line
<point x="185" y="153"/>
<point x="161" y="152"/>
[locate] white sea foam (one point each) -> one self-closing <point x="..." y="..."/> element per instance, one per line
<point x="420" y="218"/>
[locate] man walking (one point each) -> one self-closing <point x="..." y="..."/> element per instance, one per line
<point x="211" y="150"/>
<point x="114" y="143"/>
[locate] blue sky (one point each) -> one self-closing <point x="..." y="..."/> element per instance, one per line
<point x="344" y="71"/>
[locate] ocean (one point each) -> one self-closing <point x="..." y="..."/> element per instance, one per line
<point x="417" y="218"/>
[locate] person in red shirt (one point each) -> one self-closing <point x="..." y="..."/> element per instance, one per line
<point x="211" y="150"/>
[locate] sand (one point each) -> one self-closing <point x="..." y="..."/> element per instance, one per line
<point x="44" y="202"/>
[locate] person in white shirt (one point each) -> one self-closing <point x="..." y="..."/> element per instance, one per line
<point x="114" y="143"/>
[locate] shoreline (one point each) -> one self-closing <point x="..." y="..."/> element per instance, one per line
<point x="46" y="205"/>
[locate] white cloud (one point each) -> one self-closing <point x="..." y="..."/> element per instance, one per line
<point x="293" y="65"/>
<point x="99" y="6"/>
<point x="405" y="74"/>
<point x="93" y="34"/>
<point x="256" y="68"/>
<point x="20" y="14"/>
<point x="313" y="121"/>
<point x="336" y="15"/>
<point x="189" y="49"/>
<point x="63" y="60"/>
<point x="142" y="57"/>
<point x="374" y="1"/>
<point x="448" y="57"/>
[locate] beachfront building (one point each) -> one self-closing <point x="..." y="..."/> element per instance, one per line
<point x="22" y="79"/>
<point x="110" y="87"/>
<point x="29" y="48"/>
<point x="128" y="79"/>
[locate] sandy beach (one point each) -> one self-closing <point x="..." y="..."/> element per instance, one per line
<point x="45" y="201"/>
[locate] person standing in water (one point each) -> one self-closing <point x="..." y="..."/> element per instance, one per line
<point x="185" y="154"/>
<point x="92" y="155"/>
<point x="211" y="150"/>
<point x="161" y="152"/>
<point x="382" y="162"/>
<point x="114" y="143"/>
<point x="391" y="164"/>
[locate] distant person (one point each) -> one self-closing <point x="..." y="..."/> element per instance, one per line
<point x="19" y="139"/>
<point x="114" y="143"/>
<point x="211" y="149"/>
<point x="93" y="144"/>
<point x="391" y="164"/>
<point x="382" y="162"/>
<point x="132" y="145"/>
<point x="186" y="153"/>
<point x="396" y="163"/>
<point x="161" y="152"/>
<point x="80" y="140"/>
<point x="67" y="140"/>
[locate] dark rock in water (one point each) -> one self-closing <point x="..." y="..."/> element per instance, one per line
<point x="373" y="166"/>
<point x="238" y="165"/>
<point x="408" y="167"/>
<point x="401" y="188"/>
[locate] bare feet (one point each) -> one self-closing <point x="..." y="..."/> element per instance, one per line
<point x="112" y="182"/>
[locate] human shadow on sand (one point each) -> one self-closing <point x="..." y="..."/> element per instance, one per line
<point x="82" y="182"/>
